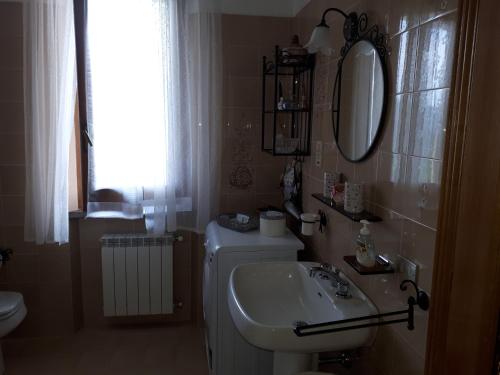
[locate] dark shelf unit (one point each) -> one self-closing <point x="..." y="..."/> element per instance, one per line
<point x="365" y="215"/>
<point x="287" y="132"/>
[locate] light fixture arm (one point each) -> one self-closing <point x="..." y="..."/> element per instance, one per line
<point x="320" y="38"/>
<point x="323" y="17"/>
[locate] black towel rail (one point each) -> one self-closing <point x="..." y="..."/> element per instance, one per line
<point x="421" y="300"/>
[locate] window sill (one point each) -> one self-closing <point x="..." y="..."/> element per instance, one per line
<point x="78" y="214"/>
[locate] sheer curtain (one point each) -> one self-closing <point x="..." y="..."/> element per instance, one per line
<point x="153" y="92"/>
<point x="49" y="103"/>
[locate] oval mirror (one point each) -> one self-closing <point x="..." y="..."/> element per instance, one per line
<point x="359" y="100"/>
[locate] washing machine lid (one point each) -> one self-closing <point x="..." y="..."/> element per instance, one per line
<point x="222" y="239"/>
<point x="10" y="302"/>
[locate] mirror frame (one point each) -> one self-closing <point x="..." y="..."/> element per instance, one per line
<point x="378" y="40"/>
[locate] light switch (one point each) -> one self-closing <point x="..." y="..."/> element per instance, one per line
<point x="408" y="268"/>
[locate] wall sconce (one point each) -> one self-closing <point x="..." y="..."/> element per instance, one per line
<point x="321" y="39"/>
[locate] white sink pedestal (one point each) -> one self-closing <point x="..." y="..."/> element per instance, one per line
<point x="294" y="363"/>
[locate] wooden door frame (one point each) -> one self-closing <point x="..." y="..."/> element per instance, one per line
<point x="465" y="304"/>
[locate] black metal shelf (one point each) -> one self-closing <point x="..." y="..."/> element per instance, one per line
<point x="287" y="132"/>
<point x="287" y="111"/>
<point x="277" y="153"/>
<point x="365" y="215"/>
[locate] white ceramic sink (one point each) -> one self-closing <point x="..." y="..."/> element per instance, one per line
<point x="266" y="300"/>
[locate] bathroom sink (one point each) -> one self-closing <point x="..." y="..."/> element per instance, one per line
<point x="268" y="300"/>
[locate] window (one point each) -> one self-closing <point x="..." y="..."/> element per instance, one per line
<point x="129" y="102"/>
<point x="149" y="71"/>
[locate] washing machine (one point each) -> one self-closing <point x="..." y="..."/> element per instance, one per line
<point x="227" y="351"/>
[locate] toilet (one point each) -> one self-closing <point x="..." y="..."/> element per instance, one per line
<point x="12" y="313"/>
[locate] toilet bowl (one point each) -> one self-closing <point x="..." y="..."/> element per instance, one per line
<point x="12" y="312"/>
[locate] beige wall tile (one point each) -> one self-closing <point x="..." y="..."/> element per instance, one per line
<point x="396" y="130"/>
<point x="434" y="8"/>
<point x="275" y="31"/>
<point x="11" y="85"/>
<point x="12" y="179"/>
<point x="14" y="238"/>
<point x="406" y="360"/>
<point x="11" y="15"/>
<point x="428" y="123"/>
<point x="243" y="92"/>
<point x="13" y="210"/>
<point x="366" y="174"/>
<point x="23" y="269"/>
<point x="421" y="190"/>
<point x="242" y="30"/>
<point x="389" y="190"/>
<point x="242" y="60"/>
<point x="268" y="179"/>
<point x="238" y="202"/>
<point x="418" y="245"/>
<point x="242" y="123"/>
<point x="435" y="51"/>
<point x="11" y="149"/>
<point x="54" y="267"/>
<point x="402" y="62"/>
<point x="404" y="14"/>
<point x="11" y="118"/>
<point x="12" y="52"/>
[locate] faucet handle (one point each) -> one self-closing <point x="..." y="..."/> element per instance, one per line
<point x="326" y="266"/>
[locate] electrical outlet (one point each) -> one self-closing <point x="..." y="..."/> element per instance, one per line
<point x="408" y="268"/>
<point x="318" y="156"/>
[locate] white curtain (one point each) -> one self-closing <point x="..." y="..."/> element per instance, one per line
<point x="153" y="99"/>
<point x="49" y="103"/>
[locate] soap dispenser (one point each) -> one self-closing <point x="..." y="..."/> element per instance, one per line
<point x="365" y="248"/>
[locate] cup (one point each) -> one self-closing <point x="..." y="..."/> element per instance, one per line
<point x="308" y="221"/>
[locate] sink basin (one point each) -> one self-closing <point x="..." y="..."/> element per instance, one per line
<point x="268" y="300"/>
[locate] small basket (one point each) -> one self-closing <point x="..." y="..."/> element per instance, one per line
<point x="229" y="221"/>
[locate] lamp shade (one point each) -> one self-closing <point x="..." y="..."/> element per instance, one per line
<point x="320" y="40"/>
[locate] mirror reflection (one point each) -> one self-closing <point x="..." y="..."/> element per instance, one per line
<point x="358" y="100"/>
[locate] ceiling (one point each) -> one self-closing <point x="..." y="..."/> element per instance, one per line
<point x="275" y="8"/>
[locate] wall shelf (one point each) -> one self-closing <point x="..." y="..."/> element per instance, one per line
<point x="380" y="267"/>
<point x="287" y="132"/>
<point x="365" y="215"/>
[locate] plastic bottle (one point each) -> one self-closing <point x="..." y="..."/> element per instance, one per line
<point x="365" y="248"/>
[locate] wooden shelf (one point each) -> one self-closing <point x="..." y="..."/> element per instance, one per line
<point x="365" y="215"/>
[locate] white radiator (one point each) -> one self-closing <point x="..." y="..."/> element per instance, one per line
<point x="136" y="275"/>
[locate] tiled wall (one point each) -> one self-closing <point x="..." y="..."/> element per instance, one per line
<point x="402" y="175"/>
<point x="245" y="40"/>
<point x="43" y="274"/>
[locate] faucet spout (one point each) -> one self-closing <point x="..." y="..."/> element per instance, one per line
<point x="333" y="273"/>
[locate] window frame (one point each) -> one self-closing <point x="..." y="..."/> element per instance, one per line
<point x="82" y="136"/>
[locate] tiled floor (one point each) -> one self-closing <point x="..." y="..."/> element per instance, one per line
<point x="124" y="351"/>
